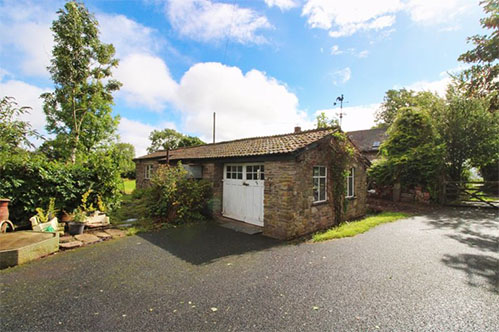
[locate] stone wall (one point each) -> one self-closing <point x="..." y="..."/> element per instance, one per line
<point x="357" y="205"/>
<point x="140" y="169"/>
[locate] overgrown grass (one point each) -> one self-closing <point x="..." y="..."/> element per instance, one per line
<point x="127" y="186"/>
<point x="349" y="229"/>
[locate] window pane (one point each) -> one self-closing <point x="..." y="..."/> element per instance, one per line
<point x="350" y="186"/>
<point x="322" y="171"/>
<point x="249" y="169"/>
<point x="262" y="176"/>
<point x="240" y="176"/>
<point x="239" y="169"/>
<point x="249" y="176"/>
<point x="322" y="189"/>
<point x="316" y="171"/>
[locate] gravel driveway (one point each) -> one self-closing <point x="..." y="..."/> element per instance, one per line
<point x="429" y="273"/>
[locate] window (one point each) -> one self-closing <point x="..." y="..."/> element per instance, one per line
<point x="148" y="171"/>
<point x="234" y="172"/>
<point x="351" y="183"/>
<point x="255" y="172"/>
<point x="320" y="183"/>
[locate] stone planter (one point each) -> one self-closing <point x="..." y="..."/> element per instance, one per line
<point x="75" y="228"/>
<point x="4" y="208"/>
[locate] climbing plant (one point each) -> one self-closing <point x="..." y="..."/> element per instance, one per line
<point x="343" y="154"/>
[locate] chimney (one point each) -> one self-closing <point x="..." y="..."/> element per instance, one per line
<point x="297" y="129"/>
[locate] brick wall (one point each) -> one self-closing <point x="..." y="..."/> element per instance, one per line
<point x="290" y="210"/>
<point x="140" y="169"/>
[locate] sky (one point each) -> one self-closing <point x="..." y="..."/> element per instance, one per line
<point x="264" y="66"/>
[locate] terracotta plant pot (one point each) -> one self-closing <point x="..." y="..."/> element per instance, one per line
<point x="66" y="217"/>
<point x="4" y="208"/>
<point x="75" y="228"/>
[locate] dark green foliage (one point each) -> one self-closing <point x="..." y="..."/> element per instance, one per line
<point x="30" y="180"/>
<point x="79" y="110"/>
<point x="395" y="100"/>
<point x="481" y="80"/>
<point x="411" y="155"/>
<point x="14" y="133"/>
<point x="168" y="139"/>
<point x="123" y="154"/>
<point x="174" y="198"/>
<point x="470" y="132"/>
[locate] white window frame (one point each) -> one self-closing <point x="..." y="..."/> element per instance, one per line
<point x="148" y="170"/>
<point x="350" y="190"/>
<point x="319" y="177"/>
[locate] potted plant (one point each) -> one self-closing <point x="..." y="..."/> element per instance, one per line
<point x="4" y="208"/>
<point x="45" y="221"/>
<point x="77" y="225"/>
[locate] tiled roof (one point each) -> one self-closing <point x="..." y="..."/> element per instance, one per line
<point x="369" y="139"/>
<point x="256" y="146"/>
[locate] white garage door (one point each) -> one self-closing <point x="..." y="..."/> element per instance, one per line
<point x="243" y="192"/>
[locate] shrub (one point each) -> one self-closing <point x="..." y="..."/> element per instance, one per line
<point x="174" y="198"/>
<point x="29" y="180"/>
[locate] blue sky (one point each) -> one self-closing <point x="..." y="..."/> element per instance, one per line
<point x="264" y="66"/>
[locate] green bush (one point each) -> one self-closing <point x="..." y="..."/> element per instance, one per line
<point x="174" y="198"/>
<point x="30" y="180"/>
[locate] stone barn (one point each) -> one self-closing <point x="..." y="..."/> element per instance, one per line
<point x="281" y="183"/>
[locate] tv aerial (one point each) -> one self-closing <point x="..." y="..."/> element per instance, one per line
<point x="340" y="99"/>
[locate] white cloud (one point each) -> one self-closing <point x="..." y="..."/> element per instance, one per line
<point x="431" y="11"/>
<point x="438" y="86"/>
<point x="25" y="34"/>
<point x="344" y="18"/>
<point x="342" y="76"/>
<point x="146" y="81"/>
<point x="137" y="133"/>
<point x="128" y="36"/>
<point x="250" y="104"/>
<point x="282" y="4"/>
<point x="354" y="117"/>
<point x="205" y="21"/>
<point x="27" y="95"/>
<point x="335" y="50"/>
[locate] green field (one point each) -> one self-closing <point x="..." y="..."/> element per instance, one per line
<point x="128" y="186"/>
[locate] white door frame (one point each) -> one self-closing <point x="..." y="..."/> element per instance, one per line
<point x="243" y="198"/>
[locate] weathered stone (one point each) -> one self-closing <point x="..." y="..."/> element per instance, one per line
<point x="66" y="238"/>
<point x="115" y="232"/>
<point x="70" y="245"/>
<point x="102" y="235"/>
<point x="87" y="238"/>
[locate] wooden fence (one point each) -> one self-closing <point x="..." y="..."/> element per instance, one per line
<point x="471" y="193"/>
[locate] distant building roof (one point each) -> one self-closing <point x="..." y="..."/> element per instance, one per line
<point x="256" y="146"/>
<point x="368" y="140"/>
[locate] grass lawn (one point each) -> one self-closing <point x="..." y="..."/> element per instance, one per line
<point x="128" y="186"/>
<point x="349" y="229"/>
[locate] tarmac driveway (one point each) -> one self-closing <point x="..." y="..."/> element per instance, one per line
<point x="429" y="273"/>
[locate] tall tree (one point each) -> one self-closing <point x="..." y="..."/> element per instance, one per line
<point x="79" y="110"/>
<point x="395" y="100"/>
<point x="470" y="132"/>
<point x="168" y="139"/>
<point x="412" y="154"/>
<point x="481" y="80"/>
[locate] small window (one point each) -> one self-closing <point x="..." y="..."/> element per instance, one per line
<point x="255" y="172"/>
<point x="320" y="183"/>
<point x="351" y="183"/>
<point x="234" y="172"/>
<point x="376" y="144"/>
<point x="148" y="171"/>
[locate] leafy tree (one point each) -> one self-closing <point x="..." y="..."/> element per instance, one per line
<point x="168" y="139"/>
<point x="123" y="154"/>
<point x="482" y="79"/>
<point x="395" y="100"/>
<point x="411" y="155"/>
<point x="470" y="133"/>
<point x="324" y="122"/>
<point x="14" y="133"/>
<point x="79" y="110"/>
